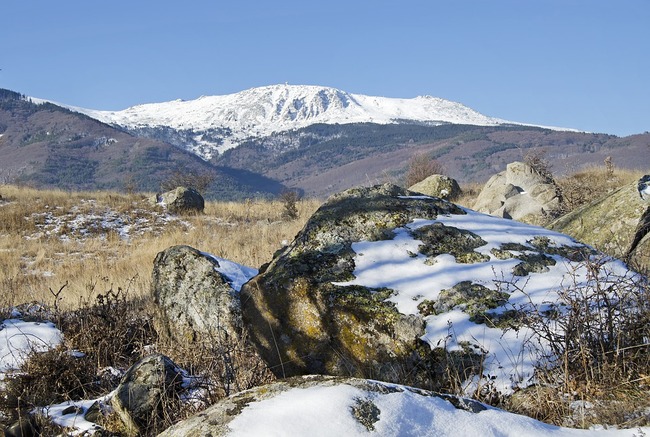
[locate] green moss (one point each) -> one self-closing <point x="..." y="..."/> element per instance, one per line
<point x="502" y="254"/>
<point x="427" y="307"/>
<point x="365" y="412"/>
<point x="532" y="263"/>
<point x="439" y="239"/>
<point x="472" y="298"/>
<point x="366" y="304"/>
<point x="514" y="246"/>
<point x="510" y="319"/>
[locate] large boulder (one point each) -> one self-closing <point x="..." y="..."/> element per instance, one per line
<point x="438" y="185"/>
<point x="145" y="391"/>
<point x="381" y="281"/>
<point x="519" y="193"/>
<point x="333" y="406"/>
<point x="617" y="224"/>
<point x="197" y="296"/>
<point x="181" y="200"/>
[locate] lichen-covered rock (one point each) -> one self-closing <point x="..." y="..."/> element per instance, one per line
<point x="303" y="323"/>
<point x="195" y="303"/>
<point x="438" y="186"/>
<point x="145" y="390"/>
<point x="181" y="200"/>
<point x="519" y="193"/>
<point x="617" y="224"/>
<point x="357" y="405"/>
<point x="387" y="284"/>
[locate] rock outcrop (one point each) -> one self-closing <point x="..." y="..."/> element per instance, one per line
<point x="181" y="200"/>
<point x="147" y="388"/>
<point x="617" y="224"/>
<point x="438" y="186"/>
<point x="519" y="193"/>
<point x="303" y="323"/>
<point x="364" y="409"/>
<point x="196" y="303"/>
<point x="380" y="280"/>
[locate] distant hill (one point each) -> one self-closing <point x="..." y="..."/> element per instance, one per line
<point x="45" y="145"/>
<point x="322" y="159"/>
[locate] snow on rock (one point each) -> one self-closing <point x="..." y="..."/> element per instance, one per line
<point x="512" y="357"/>
<point x="321" y="406"/>
<point x="236" y="274"/>
<point x="378" y="275"/>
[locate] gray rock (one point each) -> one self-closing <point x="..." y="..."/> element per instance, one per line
<point x="146" y="389"/>
<point x="23" y="427"/>
<point x="618" y="224"/>
<point x="519" y="193"/>
<point x="194" y="302"/>
<point x="438" y="186"/>
<point x="643" y="186"/>
<point x="215" y="420"/>
<point x="181" y="200"/>
<point x="306" y="315"/>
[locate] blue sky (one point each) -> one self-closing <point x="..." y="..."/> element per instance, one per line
<point x="583" y="64"/>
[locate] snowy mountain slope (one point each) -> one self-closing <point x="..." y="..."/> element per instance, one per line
<point x="259" y="112"/>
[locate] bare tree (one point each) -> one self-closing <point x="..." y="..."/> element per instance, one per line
<point x="421" y="166"/>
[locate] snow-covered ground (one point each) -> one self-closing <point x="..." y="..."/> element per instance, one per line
<point x="89" y="219"/>
<point x="19" y="338"/>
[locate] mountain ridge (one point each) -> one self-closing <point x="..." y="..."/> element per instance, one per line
<point x="218" y="123"/>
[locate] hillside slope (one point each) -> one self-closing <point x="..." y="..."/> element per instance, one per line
<point x="322" y="159"/>
<point x="48" y="146"/>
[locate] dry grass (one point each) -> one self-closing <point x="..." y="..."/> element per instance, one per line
<point x="50" y="238"/>
<point x="593" y="182"/>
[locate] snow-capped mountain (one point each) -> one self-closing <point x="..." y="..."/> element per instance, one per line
<point x="216" y="123"/>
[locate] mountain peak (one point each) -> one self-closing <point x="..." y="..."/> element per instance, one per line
<point x="261" y="111"/>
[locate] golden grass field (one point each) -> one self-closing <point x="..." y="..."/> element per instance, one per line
<point x="50" y="238"/>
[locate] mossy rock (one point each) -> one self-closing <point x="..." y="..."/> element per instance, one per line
<point x="439" y="239"/>
<point x="301" y="323"/>
<point x="612" y="224"/>
<point x="532" y="263"/>
<point x="472" y="298"/>
<point x="438" y="186"/>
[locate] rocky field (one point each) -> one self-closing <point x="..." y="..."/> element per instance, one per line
<point x="419" y="314"/>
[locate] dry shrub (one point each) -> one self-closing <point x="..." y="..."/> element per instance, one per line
<point x="469" y="193"/>
<point x="537" y="160"/>
<point x="198" y="181"/>
<point x="224" y="365"/>
<point x="420" y="167"/>
<point x="592" y="183"/>
<point x="289" y="199"/>
<point x="49" y="377"/>
<point x="595" y="349"/>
